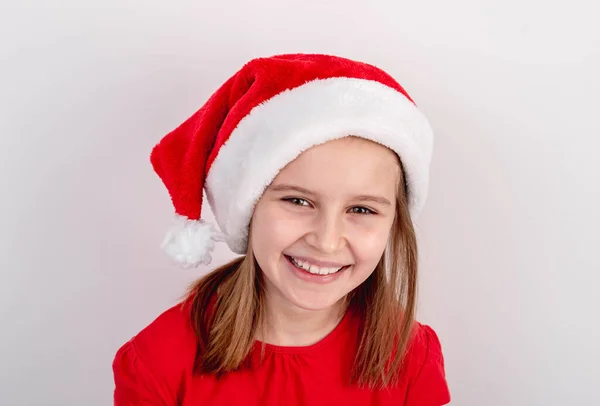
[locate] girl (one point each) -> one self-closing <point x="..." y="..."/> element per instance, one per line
<point x="315" y="167"/>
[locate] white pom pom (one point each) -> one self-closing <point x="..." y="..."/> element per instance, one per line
<point x="191" y="242"/>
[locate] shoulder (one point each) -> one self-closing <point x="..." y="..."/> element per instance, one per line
<point x="159" y="356"/>
<point x="425" y="369"/>
<point x="424" y="346"/>
<point x="170" y="334"/>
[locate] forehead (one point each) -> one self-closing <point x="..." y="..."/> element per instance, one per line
<point x="349" y="164"/>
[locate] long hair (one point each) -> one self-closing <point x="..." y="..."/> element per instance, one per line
<point x="228" y="308"/>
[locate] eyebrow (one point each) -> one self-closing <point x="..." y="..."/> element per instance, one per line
<point x="283" y="187"/>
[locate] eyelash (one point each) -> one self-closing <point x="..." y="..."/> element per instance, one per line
<point x="295" y="200"/>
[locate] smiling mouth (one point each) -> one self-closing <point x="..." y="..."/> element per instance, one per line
<point x="314" y="269"/>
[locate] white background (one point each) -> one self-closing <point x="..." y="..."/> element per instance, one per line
<point x="509" y="237"/>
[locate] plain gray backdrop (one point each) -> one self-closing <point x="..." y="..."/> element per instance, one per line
<point x="509" y="237"/>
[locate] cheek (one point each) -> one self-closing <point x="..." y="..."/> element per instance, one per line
<point x="368" y="244"/>
<point x="272" y="230"/>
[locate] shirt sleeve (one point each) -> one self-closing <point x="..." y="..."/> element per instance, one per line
<point x="135" y="385"/>
<point x="429" y="387"/>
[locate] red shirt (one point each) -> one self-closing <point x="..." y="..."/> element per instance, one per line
<point x="155" y="368"/>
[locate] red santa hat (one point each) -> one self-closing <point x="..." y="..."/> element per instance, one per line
<point x="260" y="120"/>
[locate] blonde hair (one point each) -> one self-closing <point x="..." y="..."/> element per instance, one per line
<point x="228" y="309"/>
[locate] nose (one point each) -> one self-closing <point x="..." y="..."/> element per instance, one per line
<point x="327" y="234"/>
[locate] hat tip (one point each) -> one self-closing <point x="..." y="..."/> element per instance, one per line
<point x="190" y="242"/>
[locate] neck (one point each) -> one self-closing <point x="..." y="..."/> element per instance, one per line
<point x="290" y="326"/>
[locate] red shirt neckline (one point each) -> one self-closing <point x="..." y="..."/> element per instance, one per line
<point x="341" y="327"/>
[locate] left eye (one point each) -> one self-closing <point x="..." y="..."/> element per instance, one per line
<point x="361" y="210"/>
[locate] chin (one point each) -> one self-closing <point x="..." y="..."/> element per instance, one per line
<point x="315" y="305"/>
<point x="313" y="301"/>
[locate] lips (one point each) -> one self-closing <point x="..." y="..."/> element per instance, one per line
<point x="316" y="267"/>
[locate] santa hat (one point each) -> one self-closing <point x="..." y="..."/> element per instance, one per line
<point x="260" y="120"/>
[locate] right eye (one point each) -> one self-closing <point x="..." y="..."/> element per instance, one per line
<point x="296" y="201"/>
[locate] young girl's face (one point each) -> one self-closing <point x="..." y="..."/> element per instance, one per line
<point x="321" y="227"/>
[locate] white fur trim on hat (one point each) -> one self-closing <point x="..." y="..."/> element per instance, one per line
<point x="275" y="132"/>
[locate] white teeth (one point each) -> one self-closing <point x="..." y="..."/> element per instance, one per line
<point x="313" y="268"/>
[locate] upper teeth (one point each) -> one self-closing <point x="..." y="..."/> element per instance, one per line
<point x="318" y="270"/>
